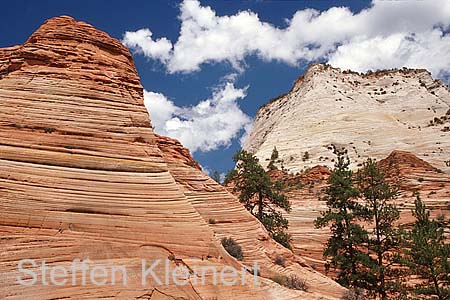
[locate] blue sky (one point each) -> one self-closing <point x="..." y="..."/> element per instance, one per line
<point x="205" y="93"/>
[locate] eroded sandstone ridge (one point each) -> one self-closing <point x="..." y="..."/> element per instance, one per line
<point x="368" y="114"/>
<point x="82" y="175"/>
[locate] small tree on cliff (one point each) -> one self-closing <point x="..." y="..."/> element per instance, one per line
<point x="273" y="159"/>
<point x="428" y="255"/>
<point x="347" y="236"/>
<point x="260" y="195"/>
<point x="216" y="177"/>
<point x="384" y="243"/>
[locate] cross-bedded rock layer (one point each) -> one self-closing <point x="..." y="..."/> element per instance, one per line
<point x="370" y="115"/>
<point x="82" y="175"/>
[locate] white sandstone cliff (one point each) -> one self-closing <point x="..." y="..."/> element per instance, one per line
<point x="368" y="114"/>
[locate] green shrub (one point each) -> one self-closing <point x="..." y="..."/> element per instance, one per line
<point x="283" y="239"/>
<point x="420" y="179"/>
<point x="306" y="156"/>
<point x="233" y="248"/>
<point x="212" y="221"/>
<point x="280" y="279"/>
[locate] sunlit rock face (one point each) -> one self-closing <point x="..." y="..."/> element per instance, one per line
<point x="370" y="115"/>
<point x="399" y="117"/>
<point x="83" y="176"/>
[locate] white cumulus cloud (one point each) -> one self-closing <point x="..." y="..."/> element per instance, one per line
<point x="141" y="41"/>
<point x="430" y="50"/>
<point x="208" y="125"/>
<point x="387" y="34"/>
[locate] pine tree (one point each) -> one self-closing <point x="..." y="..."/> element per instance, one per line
<point x="385" y="241"/>
<point x="216" y="177"/>
<point x="274" y="155"/>
<point x="428" y="254"/>
<point x="260" y="195"/>
<point x="346" y="234"/>
<point x="273" y="159"/>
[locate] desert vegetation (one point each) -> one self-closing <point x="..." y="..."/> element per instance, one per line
<point x="371" y="253"/>
<point x="216" y="177"/>
<point x="261" y="196"/>
<point x="233" y="248"/>
<point x="292" y="282"/>
<point x="273" y="159"/>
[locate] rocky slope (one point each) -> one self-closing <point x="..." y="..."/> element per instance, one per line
<point x="228" y="218"/>
<point x="368" y="114"/>
<point x="82" y="175"/>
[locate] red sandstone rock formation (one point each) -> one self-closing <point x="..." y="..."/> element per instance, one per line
<point x="413" y="174"/>
<point x="82" y="175"/>
<point x="231" y="219"/>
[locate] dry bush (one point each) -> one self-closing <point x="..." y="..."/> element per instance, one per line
<point x="233" y="248"/>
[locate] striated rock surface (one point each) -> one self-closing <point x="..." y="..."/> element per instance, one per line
<point x="228" y="218"/>
<point x="413" y="174"/>
<point x="368" y="114"/>
<point x="82" y="175"/>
